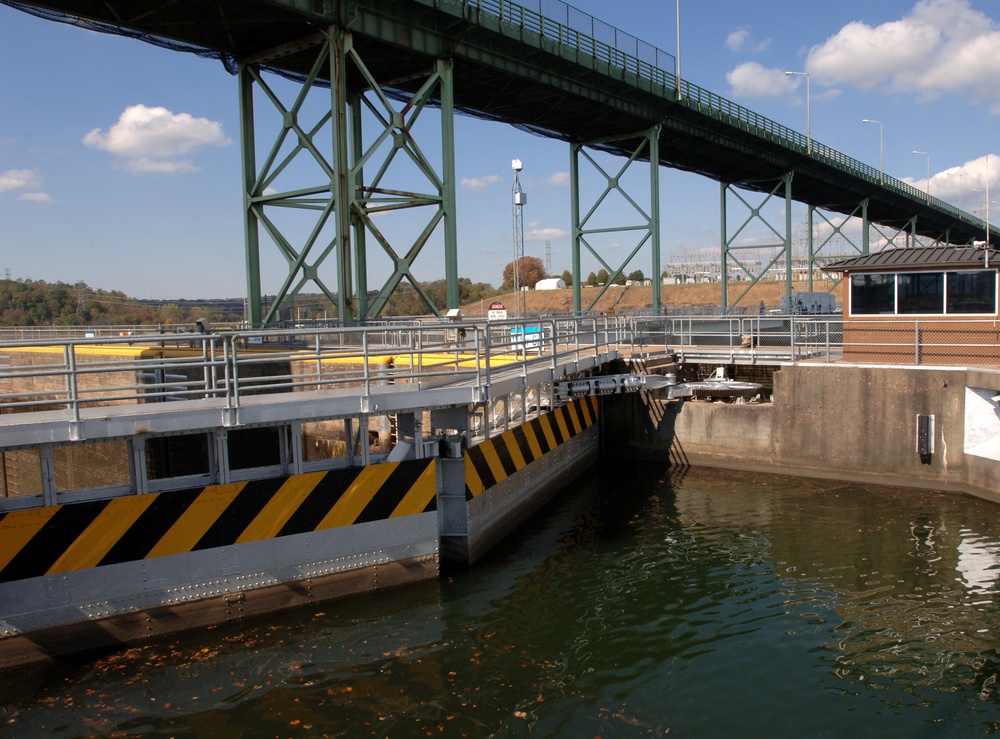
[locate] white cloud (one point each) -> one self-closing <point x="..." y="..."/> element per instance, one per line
<point x="742" y="40"/>
<point x="543" y="234"/>
<point x="24" y="179"/>
<point x="558" y="179"/>
<point x="19" y="179"/>
<point x="941" y="46"/>
<point x="965" y="185"/>
<point x="480" y="183"/>
<point x="754" y="80"/>
<point x="36" y="197"/>
<point x="156" y="140"/>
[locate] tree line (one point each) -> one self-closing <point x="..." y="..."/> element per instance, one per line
<point x="40" y="303"/>
<point x="532" y="270"/>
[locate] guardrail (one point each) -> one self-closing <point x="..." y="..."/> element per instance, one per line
<point x="84" y="372"/>
<point x="624" y="52"/>
<point x="740" y="338"/>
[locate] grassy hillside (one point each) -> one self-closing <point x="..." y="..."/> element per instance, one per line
<point x="626" y="299"/>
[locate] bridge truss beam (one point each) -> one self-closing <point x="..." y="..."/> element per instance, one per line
<point x="646" y="229"/>
<point x="315" y="165"/>
<point x="835" y="222"/>
<point x="732" y="250"/>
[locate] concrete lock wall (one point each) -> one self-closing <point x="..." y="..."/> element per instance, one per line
<point x="849" y="422"/>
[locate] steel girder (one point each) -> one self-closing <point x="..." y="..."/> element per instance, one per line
<point x="648" y="228"/>
<point x="835" y="231"/>
<point x="782" y="248"/>
<point x="341" y="203"/>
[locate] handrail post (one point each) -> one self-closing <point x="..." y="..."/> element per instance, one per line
<point x="72" y="388"/>
<point x="916" y="342"/>
<point x="364" y="357"/>
<point x="319" y="362"/>
<point x="555" y="348"/>
<point x="419" y="346"/>
<point x="232" y="375"/>
<point x="207" y="368"/>
<point x="479" y="363"/>
<point x="487" y="349"/>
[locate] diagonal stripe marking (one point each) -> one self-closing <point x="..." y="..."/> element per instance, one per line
<point x="514" y="450"/>
<point x="196" y="520"/>
<point x="529" y="435"/>
<point x="490" y="455"/>
<point x="18" y="528"/>
<point x="420" y="494"/>
<point x="561" y="420"/>
<point x="282" y="505"/>
<point x="103" y="533"/>
<point x="545" y="422"/>
<point x="473" y="482"/>
<point x="574" y="417"/>
<point x="357" y="496"/>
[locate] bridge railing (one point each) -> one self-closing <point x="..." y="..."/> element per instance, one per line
<point x="588" y="36"/>
<point x="229" y="367"/>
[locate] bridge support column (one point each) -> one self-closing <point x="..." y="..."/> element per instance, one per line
<point x="647" y="229"/>
<point x="753" y="267"/>
<point x="305" y="189"/>
<point x="836" y="236"/>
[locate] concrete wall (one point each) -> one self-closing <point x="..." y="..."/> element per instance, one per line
<point x="841" y="421"/>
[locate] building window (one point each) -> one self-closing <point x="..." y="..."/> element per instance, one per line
<point x="873" y="294"/>
<point x="920" y="292"/>
<point x="972" y="292"/>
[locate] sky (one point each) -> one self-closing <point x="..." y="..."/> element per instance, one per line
<point x="120" y="161"/>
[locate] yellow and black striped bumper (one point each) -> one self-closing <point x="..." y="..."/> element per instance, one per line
<point x="495" y="460"/>
<point x="65" y="538"/>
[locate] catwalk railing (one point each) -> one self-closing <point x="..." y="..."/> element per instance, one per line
<point x="69" y="374"/>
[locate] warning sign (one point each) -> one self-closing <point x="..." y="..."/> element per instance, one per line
<point x="496" y="312"/>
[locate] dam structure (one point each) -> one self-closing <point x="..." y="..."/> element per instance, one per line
<point x="158" y="481"/>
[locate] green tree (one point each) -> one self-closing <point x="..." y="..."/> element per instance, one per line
<point x="602" y="276"/>
<point x="637" y="276"/>
<point x="592" y="279"/>
<point x="567" y="277"/>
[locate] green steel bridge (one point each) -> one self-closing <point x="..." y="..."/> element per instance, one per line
<point x="385" y="64"/>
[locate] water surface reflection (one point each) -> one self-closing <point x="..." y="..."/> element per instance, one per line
<point x="643" y="602"/>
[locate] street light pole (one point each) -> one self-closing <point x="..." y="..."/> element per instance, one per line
<point x="678" y="48"/>
<point x="881" y="176"/>
<point x="928" y="173"/>
<point x="808" y="110"/>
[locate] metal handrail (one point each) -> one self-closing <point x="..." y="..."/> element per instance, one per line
<point x="539" y="27"/>
<point x="227" y="367"/>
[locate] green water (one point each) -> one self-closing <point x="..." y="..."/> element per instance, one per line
<point x="642" y="602"/>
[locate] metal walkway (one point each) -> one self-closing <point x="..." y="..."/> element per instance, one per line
<point x="142" y="404"/>
<point x="92" y="388"/>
